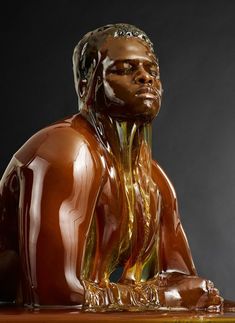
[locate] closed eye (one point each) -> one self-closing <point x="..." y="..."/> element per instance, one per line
<point x="121" y="68"/>
<point x="154" y="73"/>
<point x="153" y="70"/>
<point x="129" y="66"/>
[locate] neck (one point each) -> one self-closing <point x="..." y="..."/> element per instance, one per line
<point x="128" y="141"/>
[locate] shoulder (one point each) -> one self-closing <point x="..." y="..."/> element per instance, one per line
<point x="61" y="143"/>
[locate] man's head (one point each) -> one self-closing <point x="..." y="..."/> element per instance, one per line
<point x="117" y="73"/>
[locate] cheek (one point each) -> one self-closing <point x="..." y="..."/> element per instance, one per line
<point x="113" y="92"/>
<point x="122" y="89"/>
<point x="158" y="85"/>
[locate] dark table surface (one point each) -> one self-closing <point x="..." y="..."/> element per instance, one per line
<point x="12" y="314"/>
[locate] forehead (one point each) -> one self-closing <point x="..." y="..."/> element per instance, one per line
<point x="126" y="49"/>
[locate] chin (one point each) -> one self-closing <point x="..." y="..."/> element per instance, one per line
<point x="147" y="112"/>
<point x="144" y="112"/>
<point x="146" y="117"/>
<point x="140" y="117"/>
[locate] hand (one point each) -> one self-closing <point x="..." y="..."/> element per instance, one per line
<point x="190" y="292"/>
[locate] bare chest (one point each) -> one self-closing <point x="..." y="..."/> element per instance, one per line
<point x="128" y="211"/>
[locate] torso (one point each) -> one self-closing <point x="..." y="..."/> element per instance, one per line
<point x="116" y="237"/>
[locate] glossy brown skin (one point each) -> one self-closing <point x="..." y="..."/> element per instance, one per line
<point x="67" y="186"/>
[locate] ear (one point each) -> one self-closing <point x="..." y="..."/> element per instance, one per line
<point x="82" y="87"/>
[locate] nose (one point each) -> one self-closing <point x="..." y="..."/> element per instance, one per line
<point x="143" y="77"/>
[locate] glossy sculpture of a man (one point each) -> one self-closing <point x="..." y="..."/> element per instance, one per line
<point x="83" y="200"/>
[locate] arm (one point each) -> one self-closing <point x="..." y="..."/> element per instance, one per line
<point x="58" y="200"/>
<point x="179" y="285"/>
<point x="174" y="251"/>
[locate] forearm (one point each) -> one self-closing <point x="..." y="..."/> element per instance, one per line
<point x="164" y="291"/>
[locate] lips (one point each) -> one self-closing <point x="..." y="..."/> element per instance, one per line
<point x="147" y="92"/>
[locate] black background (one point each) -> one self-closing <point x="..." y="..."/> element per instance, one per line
<point x="194" y="134"/>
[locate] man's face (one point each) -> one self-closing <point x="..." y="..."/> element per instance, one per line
<point x="129" y="86"/>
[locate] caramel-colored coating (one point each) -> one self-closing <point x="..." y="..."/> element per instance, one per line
<point x="83" y="197"/>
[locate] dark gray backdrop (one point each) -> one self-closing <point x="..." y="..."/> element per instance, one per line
<point x="194" y="134"/>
